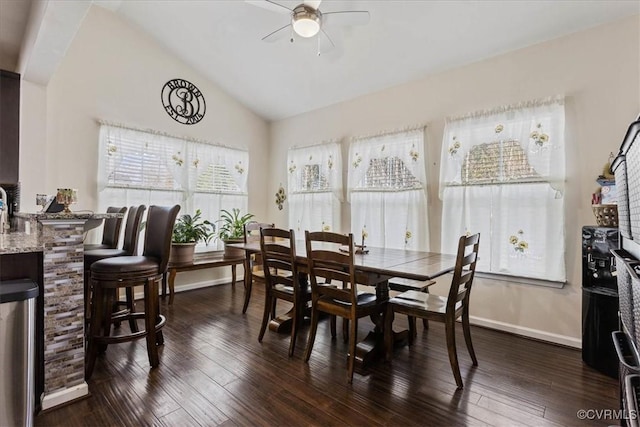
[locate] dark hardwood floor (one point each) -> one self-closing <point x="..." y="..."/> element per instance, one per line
<point x="214" y="372"/>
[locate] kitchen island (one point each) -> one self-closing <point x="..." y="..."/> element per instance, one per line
<point x="48" y="248"/>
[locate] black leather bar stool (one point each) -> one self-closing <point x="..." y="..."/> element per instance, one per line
<point x="129" y="247"/>
<point x="110" y="231"/>
<point x="110" y="274"/>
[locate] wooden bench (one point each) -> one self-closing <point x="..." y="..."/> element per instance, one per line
<point x="200" y="261"/>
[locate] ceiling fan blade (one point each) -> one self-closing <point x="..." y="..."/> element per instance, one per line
<point x="277" y="34"/>
<point x="325" y="43"/>
<point x="269" y="5"/>
<point x="313" y="3"/>
<point x="346" y="17"/>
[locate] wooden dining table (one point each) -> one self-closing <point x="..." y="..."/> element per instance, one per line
<point x="375" y="268"/>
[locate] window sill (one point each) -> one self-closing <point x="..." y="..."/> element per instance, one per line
<point x="521" y="280"/>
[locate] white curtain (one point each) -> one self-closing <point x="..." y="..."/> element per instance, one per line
<point x="502" y="174"/>
<point x="387" y="181"/>
<point x="140" y="167"/>
<point x="315" y="187"/>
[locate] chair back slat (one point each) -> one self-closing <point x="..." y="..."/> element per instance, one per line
<point x="132" y="229"/>
<point x="278" y="253"/>
<point x="112" y="226"/>
<point x="157" y="240"/>
<point x="252" y="235"/>
<point x="332" y="265"/>
<point x="463" y="272"/>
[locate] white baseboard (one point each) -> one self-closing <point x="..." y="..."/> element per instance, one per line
<point x="206" y="284"/>
<point x="62" y="396"/>
<point x="527" y="332"/>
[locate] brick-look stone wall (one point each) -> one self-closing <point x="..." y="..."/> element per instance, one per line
<point x="64" y="304"/>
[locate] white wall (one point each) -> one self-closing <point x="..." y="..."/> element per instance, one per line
<point x="114" y="72"/>
<point x="598" y="71"/>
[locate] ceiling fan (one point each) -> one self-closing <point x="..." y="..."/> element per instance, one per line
<point x="306" y="20"/>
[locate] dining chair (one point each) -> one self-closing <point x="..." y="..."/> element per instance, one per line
<point x="253" y="262"/>
<point x="111" y="274"/>
<point x="447" y="310"/>
<point x="278" y="251"/>
<point x="110" y="231"/>
<point x="331" y="259"/>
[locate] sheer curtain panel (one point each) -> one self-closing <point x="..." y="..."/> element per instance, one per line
<point x="144" y="167"/>
<point x="387" y="181"/>
<point x="315" y="187"/>
<point x="502" y="174"/>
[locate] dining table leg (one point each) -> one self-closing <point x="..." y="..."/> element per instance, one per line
<point x="372" y="348"/>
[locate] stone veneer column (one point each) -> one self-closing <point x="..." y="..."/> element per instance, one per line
<point x="63" y="267"/>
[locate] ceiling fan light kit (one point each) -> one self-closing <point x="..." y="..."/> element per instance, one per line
<point x="306" y="21"/>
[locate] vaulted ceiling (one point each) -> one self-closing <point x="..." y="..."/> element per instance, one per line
<point x="403" y="41"/>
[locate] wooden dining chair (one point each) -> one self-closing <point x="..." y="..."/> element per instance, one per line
<point x="278" y="250"/>
<point x="447" y="310"/>
<point x="331" y="259"/>
<point x="253" y="263"/>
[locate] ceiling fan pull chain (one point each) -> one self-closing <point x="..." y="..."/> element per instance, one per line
<point x="318" y="39"/>
<point x="291" y="36"/>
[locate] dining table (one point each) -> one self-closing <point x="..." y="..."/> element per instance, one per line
<point x="375" y="266"/>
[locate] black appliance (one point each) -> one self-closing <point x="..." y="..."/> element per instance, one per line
<point x="13" y="198"/>
<point x="599" y="298"/>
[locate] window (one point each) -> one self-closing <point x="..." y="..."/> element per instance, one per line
<point x="502" y="174"/>
<point x="387" y="182"/>
<point x="315" y="187"/>
<point x="137" y="167"/>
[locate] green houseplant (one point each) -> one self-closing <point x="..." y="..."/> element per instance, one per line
<point x="187" y="232"/>
<point x="231" y="229"/>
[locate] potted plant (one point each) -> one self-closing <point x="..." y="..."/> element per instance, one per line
<point x="187" y="232"/>
<point x="232" y="230"/>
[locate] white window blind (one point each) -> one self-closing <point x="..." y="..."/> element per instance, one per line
<point x="502" y="174"/>
<point x="387" y="181"/>
<point x="139" y="167"/>
<point x="315" y="187"/>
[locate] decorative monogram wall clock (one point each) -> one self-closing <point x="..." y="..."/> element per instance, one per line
<point x="183" y="101"/>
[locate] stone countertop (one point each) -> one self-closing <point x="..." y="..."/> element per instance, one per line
<point x="15" y="243"/>
<point x="73" y="215"/>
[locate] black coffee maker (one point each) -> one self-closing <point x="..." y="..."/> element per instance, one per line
<point x="598" y="264"/>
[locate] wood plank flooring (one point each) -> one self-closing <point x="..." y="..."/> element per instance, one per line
<point x="213" y="372"/>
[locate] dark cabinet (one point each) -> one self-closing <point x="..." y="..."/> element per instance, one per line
<point x="9" y="126"/>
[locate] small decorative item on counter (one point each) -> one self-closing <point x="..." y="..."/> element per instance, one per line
<point x="606" y="215"/>
<point x="66" y="197"/>
<point x="41" y="200"/>
<point x="604" y="200"/>
<point x="606" y="169"/>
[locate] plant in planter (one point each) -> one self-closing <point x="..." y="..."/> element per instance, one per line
<point x="232" y="229"/>
<point x="187" y="232"/>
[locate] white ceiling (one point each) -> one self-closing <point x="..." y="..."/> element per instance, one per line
<point x="404" y="41"/>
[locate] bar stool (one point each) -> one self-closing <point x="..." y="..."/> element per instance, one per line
<point x="110" y="231"/>
<point x="110" y="274"/>
<point x="129" y="247"/>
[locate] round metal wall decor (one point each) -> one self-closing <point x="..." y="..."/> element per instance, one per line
<point x="183" y="101"/>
